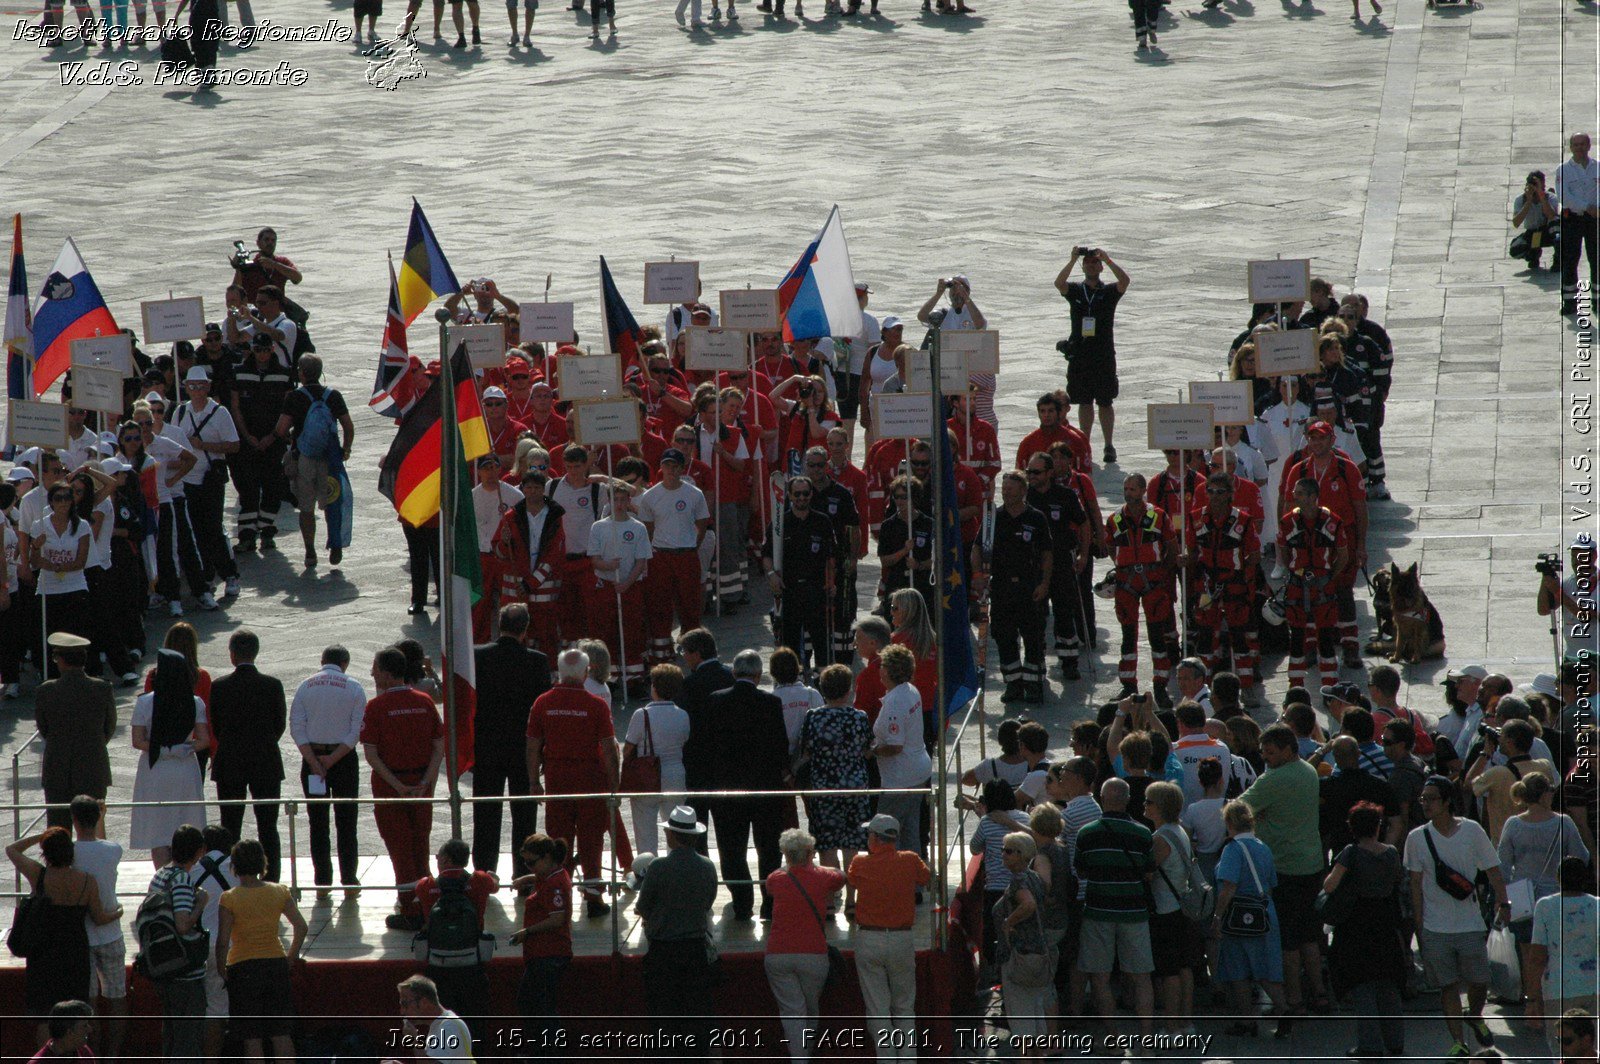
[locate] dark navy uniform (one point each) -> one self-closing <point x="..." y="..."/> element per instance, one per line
<point x="1022" y="544"/>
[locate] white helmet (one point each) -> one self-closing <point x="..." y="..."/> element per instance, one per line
<point x="1272" y="610"/>
<point x="1107" y="588"/>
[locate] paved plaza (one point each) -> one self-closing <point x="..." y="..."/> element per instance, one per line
<point x="1387" y="154"/>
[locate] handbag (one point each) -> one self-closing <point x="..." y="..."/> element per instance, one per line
<point x="26" y="937"/>
<point x="836" y="963"/>
<point x="1247" y="917"/>
<point x="641" y="773"/>
<point x="1446" y="878"/>
<point x="1032" y="970"/>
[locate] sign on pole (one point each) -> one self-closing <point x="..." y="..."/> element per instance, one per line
<point x="97" y="388"/>
<point x="486" y="343"/>
<point x="1232" y="402"/>
<point x="35" y="424"/>
<point x="750" y="309"/>
<point x="953" y="374"/>
<point x="606" y="421"/>
<point x="980" y="348"/>
<point x="671" y="282"/>
<point x="1281" y="352"/>
<point x="717" y="350"/>
<point x="166" y="320"/>
<point x="547" y="322"/>
<point x="109" y="352"/>
<point x="1179" y="426"/>
<point x="589" y="377"/>
<point x="1279" y="280"/>
<point x="902" y="415"/>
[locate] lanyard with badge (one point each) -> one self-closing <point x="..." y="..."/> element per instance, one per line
<point x="1091" y="324"/>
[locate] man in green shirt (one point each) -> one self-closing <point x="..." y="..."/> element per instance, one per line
<point x="1113" y="861"/>
<point x="1285" y="800"/>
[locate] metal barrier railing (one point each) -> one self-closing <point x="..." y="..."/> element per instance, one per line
<point x="16" y="796"/>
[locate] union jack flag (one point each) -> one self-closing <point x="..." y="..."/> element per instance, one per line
<point x="400" y="381"/>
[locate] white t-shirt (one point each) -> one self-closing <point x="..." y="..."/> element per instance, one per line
<point x="1535" y="218"/>
<point x="899" y="724"/>
<point x="860" y="344"/>
<point x="100" y="553"/>
<point x="579" y="504"/>
<point x="284" y="348"/>
<point x="144" y="710"/>
<point x="879" y="370"/>
<point x="1567" y="928"/>
<point x="168" y="453"/>
<point x="80" y="450"/>
<point x="625" y="541"/>
<point x="598" y="689"/>
<point x="671" y="514"/>
<point x="1193" y="749"/>
<point x="201" y="877"/>
<point x="62" y="547"/>
<point x="1248" y="463"/>
<point x="1204" y="821"/>
<point x="100" y="858"/>
<point x="679" y="319"/>
<point x="489" y="505"/>
<point x="32" y="508"/>
<point x="798" y="700"/>
<point x="1469" y="852"/>
<point x="218" y="427"/>
<point x="998" y="768"/>
<point x="448" y="1039"/>
<point x="669" y="731"/>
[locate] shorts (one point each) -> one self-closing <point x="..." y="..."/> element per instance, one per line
<point x="1295" y="898"/>
<point x="849" y="385"/>
<point x="1092" y="379"/>
<point x="368" y="8"/>
<point x="261" y="997"/>
<point x="216" y="990"/>
<point x="1104" y="945"/>
<point x="1451" y="957"/>
<point x="109" y="962"/>
<point x="1175" y="944"/>
<point x="308" y="478"/>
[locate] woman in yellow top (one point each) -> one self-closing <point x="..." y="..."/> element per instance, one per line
<point x="249" y="951"/>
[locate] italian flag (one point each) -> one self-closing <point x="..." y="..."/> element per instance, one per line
<point x="466" y="578"/>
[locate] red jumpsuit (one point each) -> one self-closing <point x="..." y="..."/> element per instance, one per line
<point x="1308" y="544"/>
<point x="1222" y="548"/>
<point x="984" y="453"/>
<point x="1339" y="485"/>
<point x="403" y="725"/>
<point x="1142" y="578"/>
<point x="572" y="724"/>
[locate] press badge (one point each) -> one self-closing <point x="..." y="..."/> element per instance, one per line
<point x="1089" y="325"/>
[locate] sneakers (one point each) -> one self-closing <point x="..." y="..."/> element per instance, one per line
<point x="230" y="589"/>
<point x="156" y="601"/>
<point x="1110" y="455"/>
<point x="1459" y="1050"/>
<point x="461" y="44"/>
<point x="1378" y="490"/>
<point x="1015" y="692"/>
<point x="402" y="922"/>
<point x="175" y="608"/>
<point x="594" y="908"/>
<point x="246" y="544"/>
<point x="208" y="601"/>
<point x="1480" y="1030"/>
<point x="269" y="541"/>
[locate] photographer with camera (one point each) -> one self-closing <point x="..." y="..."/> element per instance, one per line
<point x="1492" y="783"/>
<point x="267" y="317"/>
<point x="485" y="295"/>
<point x="1091" y="350"/>
<point x="961" y="314"/>
<point x="1574" y="594"/>
<point x="252" y="271"/>
<point x="1537" y="214"/>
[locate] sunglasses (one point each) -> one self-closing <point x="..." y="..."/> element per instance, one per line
<point x="1037" y="472"/>
<point x="800" y="494"/>
<point x="659" y="372"/>
<point x="811" y="464"/>
<point x="132" y="437"/>
<point x="541" y="467"/>
<point x="920" y="465"/>
<point x="1009" y="849"/>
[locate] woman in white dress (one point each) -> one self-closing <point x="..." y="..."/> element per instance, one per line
<point x="659" y="727"/>
<point x="1282" y="432"/>
<point x="169" y="723"/>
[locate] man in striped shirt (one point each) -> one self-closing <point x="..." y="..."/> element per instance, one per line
<point x="1113" y="860"/>
<point x="1070" y="784"/>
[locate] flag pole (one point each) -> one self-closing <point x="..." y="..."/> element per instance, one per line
<point x="936" y="476"/>
<point x="449" y="433"/>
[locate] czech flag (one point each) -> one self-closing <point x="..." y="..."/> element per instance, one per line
<point x="18" y="339"/>
<point x="69" y="308"/>
<point x="424" y="273"/>
<point x="623" y="335"/>
<point x="409" y="474"/>
<point x="400" y="381"/>
<point x="818" y="295"/>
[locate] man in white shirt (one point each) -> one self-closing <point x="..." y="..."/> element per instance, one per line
<point x="214" y="873"/>
<point x="212" y="436"/>
<point x="1194" y="744"/>
<point x="678" y="517"/>
<point x="1453" y="726"/>
<point x="325" y="723"/>
<point x="620" y="551"/>
<point x="91" y="853"/>
<point x="681" y="316"/>
<point x="960" y="315"/>
<point x="446" y="1036"/>
<point x="267" y="318"/>
<point x="491" y="499"/>
<point x="1578" y="190"/>
<point x="850" y="395"/>
<point x="83" y="445"/>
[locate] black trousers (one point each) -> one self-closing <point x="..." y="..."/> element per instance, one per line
<point x="1065" y="609"/>
<point x="1015" y="618"/>
<point x="736" y="820"/>
<point x="343" y="782"/>
<point x="176" y="551"/>
<point x="207" y="501"/>
<point x="1579" y="233"/>
<point x="678" y="985"/>
<point x="846" y="604"/>
<point x="68" y="612"/>
<point x="258" y="479"/>
<point x="492" y="779"/>
<point x="103" y="618"/>
<point x="231" y="793"/>
<point x="1145" y="13"/>
<point x="1086" y="596"/>
<point x="596" y="6"/>
<point x="125" y="594"/>
<point x="422" y="550"/>
<point x="14" y="630"/>
<point x="803" y="622"/>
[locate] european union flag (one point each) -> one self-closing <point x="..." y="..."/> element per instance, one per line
<point x="960" y="664"/>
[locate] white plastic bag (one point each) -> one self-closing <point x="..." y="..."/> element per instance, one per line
<point x="1505" y="970"/>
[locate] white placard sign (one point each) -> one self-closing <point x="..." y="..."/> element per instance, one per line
<point x="97" y="388"/>
<point x="547" y="322"/>
<point x="902" y="415"/>
<point x="37" y="424"/>
<point x="108" y="352"/>
<point x="1283" y="352"/>
<point x="486" y="343"/>
<point x="1232" y="402"/>
<point x="166" y="320"/>
<point x="715" y="350"/>
<point x="1179" y="426"/>
<point x="751" y="309"/>
<point x="953" y="373"/>
<point x="1279" y="280"/>
<point x="980" y="347"/>
<point x="589" y="377"/>
<point x="671" y="282"/>
<point x="606" y="421"/>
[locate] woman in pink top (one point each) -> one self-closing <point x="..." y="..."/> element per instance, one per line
<point x="797" y="945"/>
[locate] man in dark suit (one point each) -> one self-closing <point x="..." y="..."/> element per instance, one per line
<point x="76" y="715"/>
<point x="510" y="676"/>
<point x="248" y="714"/>
<point x="703" y="675"/>
<point x="749" y="752"/>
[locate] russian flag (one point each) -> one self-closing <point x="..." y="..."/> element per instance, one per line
<point x="69" y="308"/>
<point x="818" y="295"/>
<point x="623" y="335"/>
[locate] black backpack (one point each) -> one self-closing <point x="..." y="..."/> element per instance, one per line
<point x="165" y="952"/>
<point x="454" y="936"/>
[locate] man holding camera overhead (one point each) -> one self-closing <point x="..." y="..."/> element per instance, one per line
<point x="1091" y="350"/>
<point x="1577" y="607"/>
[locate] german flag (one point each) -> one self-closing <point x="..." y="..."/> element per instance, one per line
<point x="424" y="273"/>
<point x="409" y="475"/>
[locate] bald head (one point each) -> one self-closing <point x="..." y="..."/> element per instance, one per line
<point x="1114" y="795"/>
<point x="1346" y="752"/>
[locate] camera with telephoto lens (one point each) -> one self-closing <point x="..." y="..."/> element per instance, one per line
<point x="1548" y="565"/>
<point x="1487" y="732"/>
<point x="240" y="259"/>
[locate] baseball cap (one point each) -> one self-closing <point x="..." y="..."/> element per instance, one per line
<point x="1319" y="428"/>
<point x="1477" y="672"/>
<point x="1348" y="693"/>
<point x="672" y="454"/>
<point x="493" y="392"/>
<point x="1582" y="541"/>
<point x="862" y="286"/>
<point x="197" y="374"/>
<point x="884" y="825"/>
<point x="19" y="474"/>
<point x="113" y="465"/>
<point x="213" y="327"/>
<point x="156" y="397"/>
<point x="490" y="459"/>
<point x="1543" y="684"/>
<point x="542" y="386"/>
<point x="891" y="322"/>
<point x="29" y="457"/>
<point x="963" y="279"/>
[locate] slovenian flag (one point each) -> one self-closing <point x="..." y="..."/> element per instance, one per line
<point x="818" y="295"/>
<point x="623" y="335"/>
<point x="424" y="273"/>
<point x="400" y="381"/>
<point x="69" y="308"/>
<point x="459" y="531"/>
<point x="18" y="339"/>
<point x="959" y="664"/>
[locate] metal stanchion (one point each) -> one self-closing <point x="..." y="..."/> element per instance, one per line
<point x="294" y="873"/>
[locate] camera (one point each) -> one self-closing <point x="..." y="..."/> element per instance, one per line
<point x="1548" y="565"/>
<point x="1488" y="732"/>
<point x="805" y="391"/>
<point x="240" y="259"/>
<point x="1087" y="253"/>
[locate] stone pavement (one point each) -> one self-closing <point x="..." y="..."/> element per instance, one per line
<point x="1387" y="151"/>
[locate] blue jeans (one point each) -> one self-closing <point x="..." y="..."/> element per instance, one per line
<point x="536" y="1000"/>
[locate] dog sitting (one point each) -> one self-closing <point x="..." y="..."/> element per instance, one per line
<point x="1418" y="628"/>
<point x="1382" y="641"/>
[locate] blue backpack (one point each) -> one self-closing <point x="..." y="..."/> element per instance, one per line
<point x="319" y="435"/>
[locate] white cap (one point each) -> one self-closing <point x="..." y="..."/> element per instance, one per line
<point x="113" y="465"/>
<point x="493" y="392"/>
<point x="30" y="457"/>
<point x="1582" y="541"/>
<point x="156" y="397"/>
<point x="891" y="322"/>
<point x="19" y="474"/>
<point x="197" y="374"/>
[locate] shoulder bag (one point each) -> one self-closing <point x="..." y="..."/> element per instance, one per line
<point x="1334" y="909"/>
<point x="1198" y="901"/>
<point x="641" y="773"/>
<point x="1247" y="917"/>
<point x="1446" y="878"/>
<point x="1033" y="970"/>
<point x="836" y="962"/>
<point x="26" y="937"/>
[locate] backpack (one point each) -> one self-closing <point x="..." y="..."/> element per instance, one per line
<point x="1198" y="900"/>
<point x="164" y="952"/>
<point x="302" y="344"/>
<point x="318" y="437"/>
<point x="454" y="936"/>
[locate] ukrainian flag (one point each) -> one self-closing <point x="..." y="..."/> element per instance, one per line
<point x="424" y="273"/>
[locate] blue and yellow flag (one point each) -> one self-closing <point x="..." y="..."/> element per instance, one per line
<point x="424" y="273"/>
<point x="960" y="664"/>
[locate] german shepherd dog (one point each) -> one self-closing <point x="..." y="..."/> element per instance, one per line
<point x="1382" y="641"/>
<point x="1418" y="628"/>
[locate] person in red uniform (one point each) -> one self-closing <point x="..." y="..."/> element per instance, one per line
<point x="547" y="426"/>
<point x="1341" y="489"/>
<point x="1222" y="549"/>
<point x="842" y="470"/>
<point x="1246" y="493"/>
<point x="1140" y="539"/>
<point x="972" y="497"/>
<point x="403" y="740"/>
<point x="518" y="386"/>
<point x="1175" y="490"/>
<point x="545" y="937"/>
<point x="565" y="727"/>
<point x="1315" y="546"/>
<point x="882" y="466"/>
<point x="503" y="429"/>
<point x="664" y="390"/>
<point x="530" y="550"/>
<point x="464" y="990"/>
<point x="980" y="449"/>
<point x="1069" y="475"/>
<point x="678" y="519"/>
<point x="1053" y="426"/>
